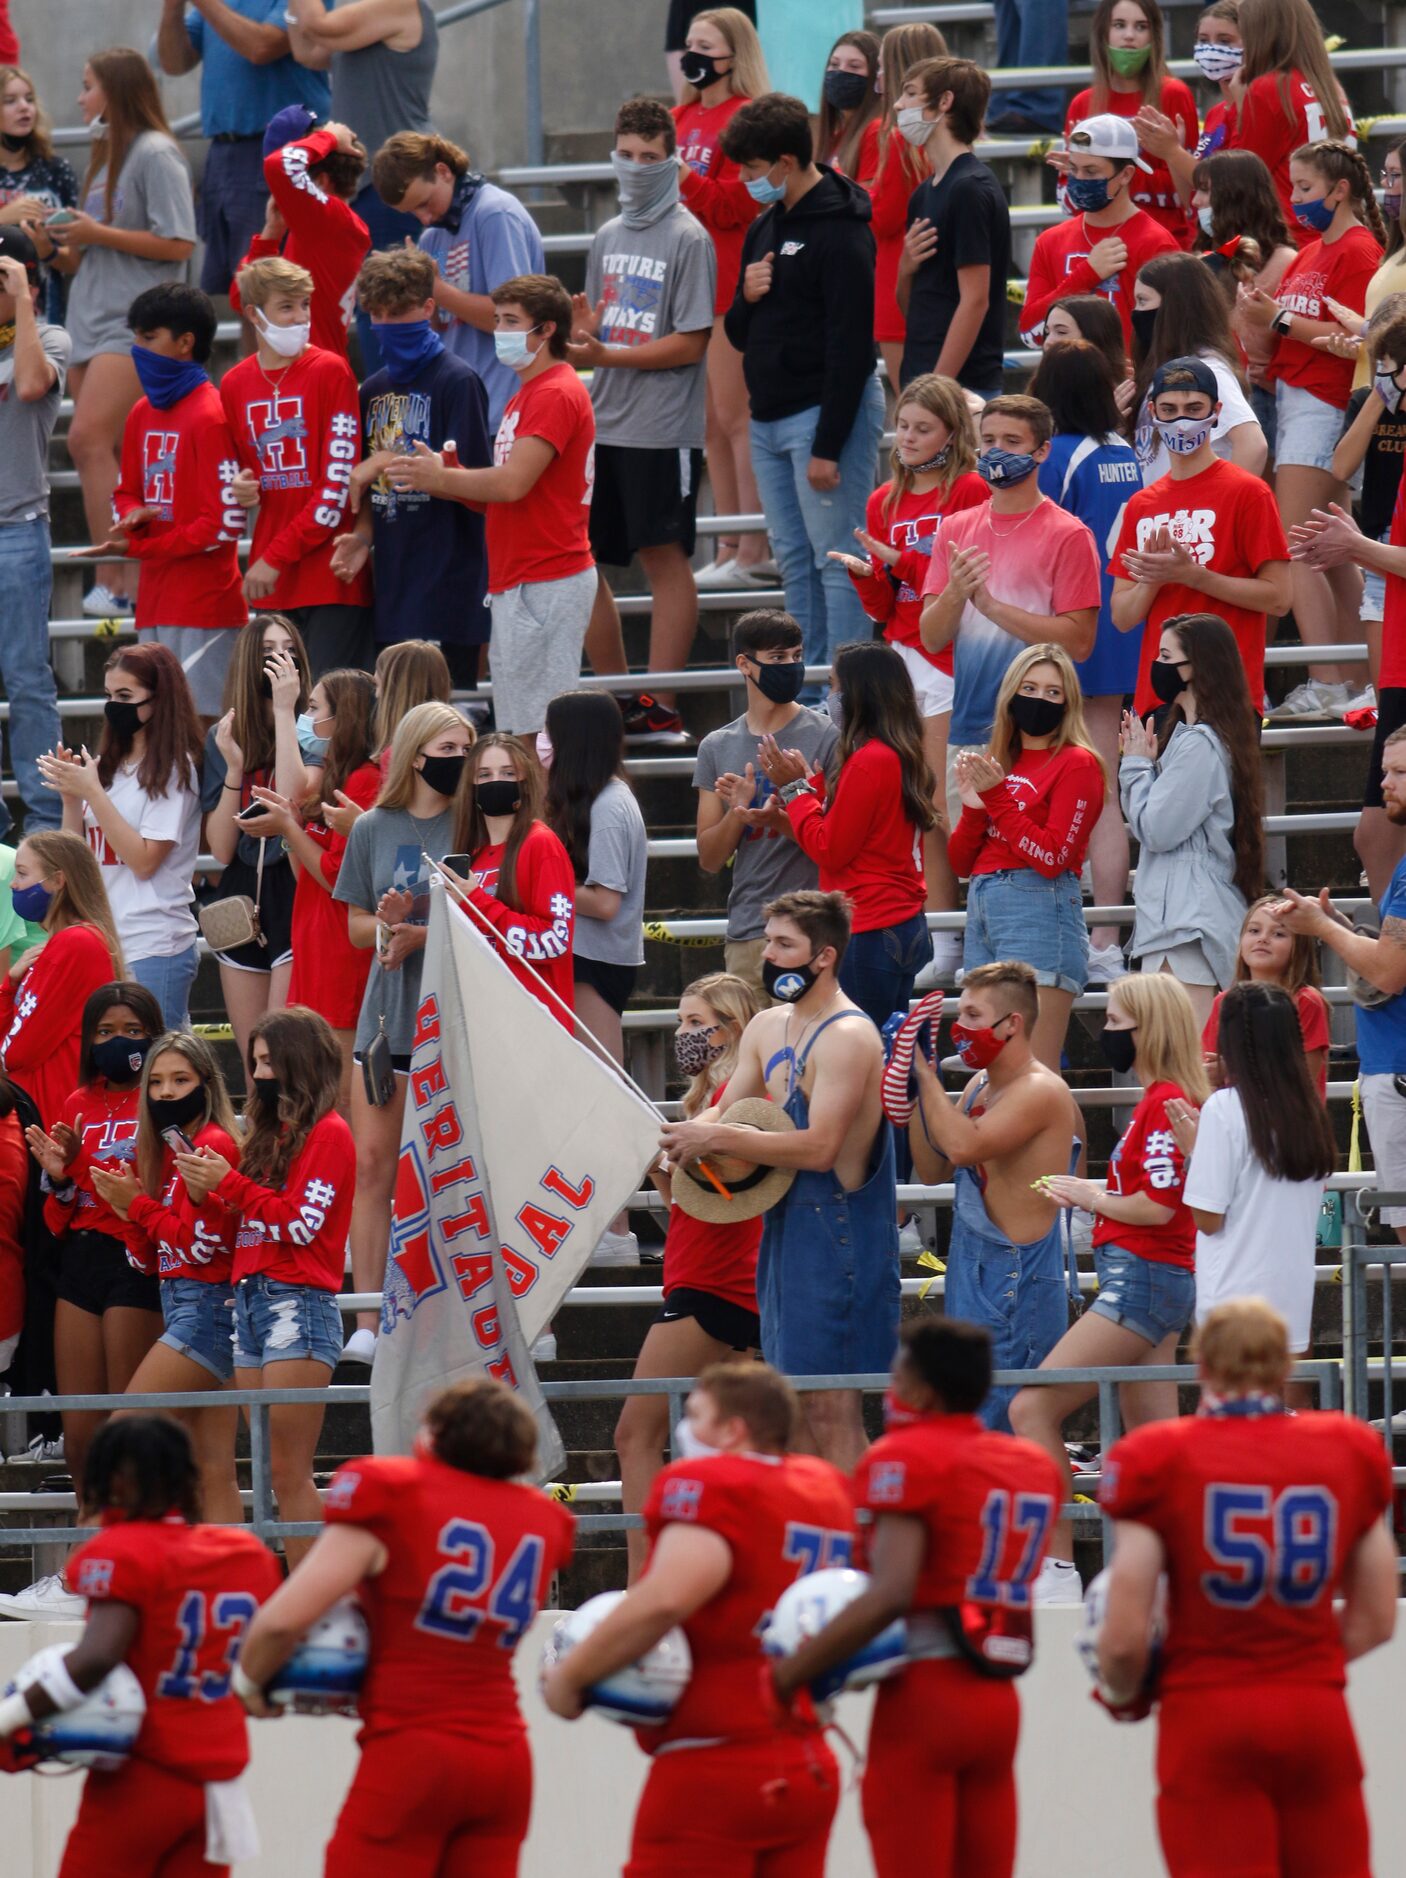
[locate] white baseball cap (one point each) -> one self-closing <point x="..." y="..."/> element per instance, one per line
<point x="1107" y="136"/>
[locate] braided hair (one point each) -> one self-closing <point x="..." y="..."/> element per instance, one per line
<point x="1262" y="1058"/>
<point x="1336" y="162"/>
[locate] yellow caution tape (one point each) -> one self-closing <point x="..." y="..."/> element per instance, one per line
<point x="214" y="1033"/>
<point x="662" y="934"/>
<point x="110" y="628"/>
<point x="561" y="1491"/>
<point x="1335" y="43"/>
<point x="1084" y="1499"/>
<point x="1015" y="292"/>
<point x="930" y="1262"/>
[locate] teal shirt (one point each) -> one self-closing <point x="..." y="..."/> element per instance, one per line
<point x="16" y="933"/>
<point x="796" y="36"/>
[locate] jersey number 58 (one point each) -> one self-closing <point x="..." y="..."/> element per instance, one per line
<point x="1284" y="1546"/>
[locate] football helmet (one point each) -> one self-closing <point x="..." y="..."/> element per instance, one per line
<point x="324" y="1674"/>
<point x="643" y="1694"/>
<point x="101" y="1731"/>
<point x="807" y="1606"/>
<point x="1086" y="1642"/>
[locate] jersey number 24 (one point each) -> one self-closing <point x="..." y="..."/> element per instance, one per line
<point x="466" y="1592"/>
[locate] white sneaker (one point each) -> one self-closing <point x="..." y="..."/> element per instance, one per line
<point x="1081" y="1230"/>
<point x="100" y="603"/>
<point x="1313" y="700"/>
<point x="945" y="963"/>
<point x="360" y="1347"/>
<point x="39" y="1453"/>
<point x="545" y="1348"/>
<point x="1058" y="1583"/>
<point x="759" y="574"/>
<point x="616" y="1248"/>
<point x="911" y="1244"/>
<point x="1364" y="701"/>
<point x="49" y="1599"/>
<point x="714" y="579"/>
<point x="1106" y="963"/>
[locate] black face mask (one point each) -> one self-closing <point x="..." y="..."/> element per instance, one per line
<point x="699" y="70"/>
<point x="1119" y="1048"/>
<point x="264" y="1092"/>
<point x="265" y="685"/>
<point x="787" y="983"/>
<point x="1144" y="319"/>
<point x="15" y="144"/>
<point x="1037" y="717"/>
<point x="120" y="1059"/>
<point x="1166" y="680"/>
<point x="845" y="90"/>
<point x="498" y="798"/>
<point x="443" y="773"/>
<point x="179" y="1111"/>
<point x="780" y="684"/>
<point x="124" y="717"/>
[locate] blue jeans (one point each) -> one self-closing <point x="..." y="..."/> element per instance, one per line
<point x="1032" y="32"/>
<point x="26" y="580"/>
<point x="879" y="967"/>
<point x="388" y="229"/>
<point x="805" y="523"/>
<point x="169" y="982"/>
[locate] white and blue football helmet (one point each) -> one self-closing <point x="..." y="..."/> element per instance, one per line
<point x="101" y="1731"/>
<point x="642" y="1694"/>
<point x="807" y="1606"/>
<point x="324" y="1674"/>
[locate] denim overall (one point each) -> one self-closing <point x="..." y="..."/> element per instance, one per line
<point x="827" y="1275"/>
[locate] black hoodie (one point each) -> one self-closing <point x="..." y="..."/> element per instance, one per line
<point x="810" y="340"/>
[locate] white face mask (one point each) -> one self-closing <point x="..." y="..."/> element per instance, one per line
<point x="286" y="341"/>
<point x="1205" y="215"/>
<point x="1217" y="61"/>
<point x="690" y="1446"/>
<point x="913" y="127"/>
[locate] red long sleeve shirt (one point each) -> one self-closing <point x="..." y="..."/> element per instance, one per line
<point x="297" y="1234"/>
<point x="893" y="595"/>
<point x="538" y="934"/>
<point x="864" y="843"/>
<point x="1060" y="266"/>
<point x="105" y="1120"/>
<point x="299" y="431"/>
<point x="14" y="1188"/>
<point x="712" y="187"/>
<point x="325" y="235"/>
<point x="1041" y="815"/>
<point x="40" y="1017"/>
<point x="889" y="194"/>
<point x="180" y="462"/>
<point x="176" y="1237"/>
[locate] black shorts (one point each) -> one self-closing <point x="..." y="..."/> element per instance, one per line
<point x="643" y="499"/>
<point x="613" y="982"/>
<point x="275" y="903"/>
<point x="1391" y="715"/>
<point x="335" y="637"/>
<point x="681" y="17"/>
<point x="400" y="1064"/>
<point x="729" y="1323"/>
<point x="94" y="1276"/>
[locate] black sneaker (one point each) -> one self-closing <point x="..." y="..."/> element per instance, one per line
<point x="649" y="721"/>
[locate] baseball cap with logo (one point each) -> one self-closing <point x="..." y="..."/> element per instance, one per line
<point x="1189" y="374"/>
<point x="1106" y="136"/>
<point x="290" y="125"/>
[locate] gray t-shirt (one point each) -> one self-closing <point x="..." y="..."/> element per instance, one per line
<point x="153" y="196"/>
<point x="383" y="851"/>
<point x="378" y="92"/>
<point x="654" y="281"/>
<point x="765" y="865"/>
<point x="25" y="430"/>
<point x="616" y="859"/>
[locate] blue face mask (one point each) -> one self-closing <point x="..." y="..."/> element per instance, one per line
<point x="1315" y="215"/>
<point x="313" y="747"/>
<point x="31" y="903"/>
<point x="1087" y="194"/>
<point x="762" y="189"/>
<point x="1003" y="468"/>
<point x="510" y="348"/>
<point x="406" y="347"/>
<point x="166" y="381"/>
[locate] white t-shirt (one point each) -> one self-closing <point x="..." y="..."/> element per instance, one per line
<point x="1265" y="1247"/>
<point x="153" y="917"/>
<point x="1235" y="408"/>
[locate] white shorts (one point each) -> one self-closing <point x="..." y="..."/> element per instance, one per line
<point x="1384" y="1111"/>
<point x="934" y="689"/>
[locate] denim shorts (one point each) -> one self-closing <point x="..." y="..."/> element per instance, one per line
<point x="1152" y="1300"/>
<point x="1308" y="430"/>
<point x="278" y="1323"/>
<point x="1018" y="914"/>
<point x="200" y="1323"/>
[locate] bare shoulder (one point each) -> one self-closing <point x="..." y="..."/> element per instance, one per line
<point x="852" y="1041"/>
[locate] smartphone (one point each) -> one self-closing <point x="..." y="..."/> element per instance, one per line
<point x="254" y="810"/>
<point x="60" y="218"/>
<point x="460" y="864"/>
<point x="178" y="1141"/>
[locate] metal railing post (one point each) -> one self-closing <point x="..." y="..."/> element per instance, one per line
<point x="262" y="1509"/>
<point x="532" y="45"/>
<point x="1109" y="1427"/>
<point x="1355" y="1398"/>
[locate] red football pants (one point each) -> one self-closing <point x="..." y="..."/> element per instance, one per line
<point x="939" y="1787"/>
<point x="1260" y="1781"/>
<point x="427" y="1805"/>
<point x="142" y="1822"/>
<point x="749" y="1810"/>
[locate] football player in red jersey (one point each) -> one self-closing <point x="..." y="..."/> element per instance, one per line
<point x="737" y="1786"/>
<point x="1259" y="1520"/>
<point x="171" y="1599"/>
<point x="954" y="1519"/>
<point x="451" y="1559"/>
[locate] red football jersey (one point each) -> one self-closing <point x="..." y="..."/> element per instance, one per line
<point x="988" y="1501"/>
<point x="1148" y="1160"/>
<point x="893" y="593"/>
<point x="195" y="1589"/>
<point x="1258" y="1513"/>
<point x="782" y="1515"/>
<point x="468" y="1564"/>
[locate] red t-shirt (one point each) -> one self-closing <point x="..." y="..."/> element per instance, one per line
<point x="781" y="1515"/>
<point x="988" y="1501"/>
<point x="1258" y="1514"/>
<point x="180" y="462"/>
<point x="297" y="1234"/>
<point x="901" y="170"/>
<point x="1263" y="125"/>
<point x="1148" y="1160"/>
<point x="713" y="188"/>
<point x="1060" y="266"/>
<point x="534" y="937"/>
<point x="1228" y="519"/>
<point x="894" y="594"/>
<point x="298" y="430"/>
<point x="1041" y="816"/>
<point x="1157" y="193"/>
<point x="1321" y="272"/>
<point x="41" y="1016"/>
<point x="1312" y="1008"/>
<point x="195" y="1590"/>
<point x="175" y="1237"/>
<point x="864" y="843"/>
<point x="329" y="972"/>
<point x="720" y="1259"/>
<point x="14" y="1191"/>
<point x="545" y="536"/>
<point x="1393" y="671"/>
<point x="469" y="1562"/>
<point x="107" y="1138"/>
<point x="325" y="235"/>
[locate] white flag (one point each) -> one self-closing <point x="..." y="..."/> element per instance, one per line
<point x="519" y="1147"/>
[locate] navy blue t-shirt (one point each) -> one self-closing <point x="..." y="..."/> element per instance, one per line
<point x="428" y="555"/>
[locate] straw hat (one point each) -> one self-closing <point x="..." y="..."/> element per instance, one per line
<point x="751" y="1188"/>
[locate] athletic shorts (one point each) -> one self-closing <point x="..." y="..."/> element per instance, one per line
<point x="205" y="653"/>
<point x="427" y="1804"/>
<point x="200" y="1323"/>
<point x="1391" y="715"/>
<point x="737" y="1811"/>
<point x="539" y="629"/>
<point x="335" y="637"/>
<point x="643" y="499"/>
<point x="95" y="1276"/>
<point x="138" y="1820"/>
<point x="614" y="983"/>
<point x="732" y="1324"/>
